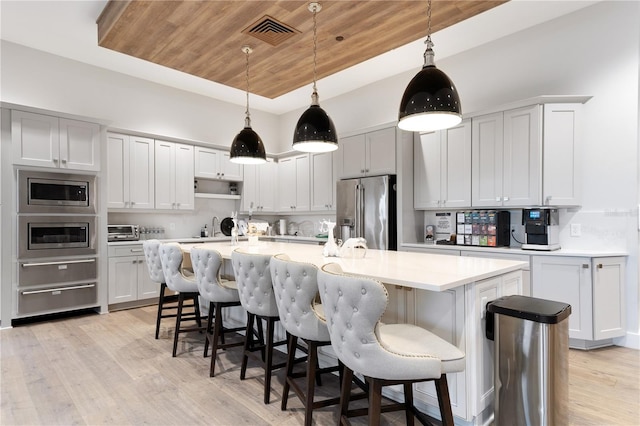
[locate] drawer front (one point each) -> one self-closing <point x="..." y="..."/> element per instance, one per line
<point x="59" y="271"/>
<point x="57" y="299"/>
<point x="129" y="250"/>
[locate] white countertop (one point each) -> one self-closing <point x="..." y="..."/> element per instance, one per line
<point x="425" y="271"/>
<point x="517" y="250"/>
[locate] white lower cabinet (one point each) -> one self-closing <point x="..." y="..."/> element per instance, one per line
<point x="593" y="286"/>
<point x="457" y="316"/>
<point x="128" y="275"/>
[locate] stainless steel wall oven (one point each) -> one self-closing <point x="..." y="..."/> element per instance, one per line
<point x="53" y="193"/>
<point x="57" y="247"/>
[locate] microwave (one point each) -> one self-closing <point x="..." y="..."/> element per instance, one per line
<point x="51" y="236"/>
<point x="52" y="192"/>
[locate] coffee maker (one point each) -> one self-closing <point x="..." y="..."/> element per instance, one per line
<point x="541" y="229"/>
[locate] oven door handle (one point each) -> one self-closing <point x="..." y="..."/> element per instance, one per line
<point x="24" y="265"/>
<point x="49" y="290"/>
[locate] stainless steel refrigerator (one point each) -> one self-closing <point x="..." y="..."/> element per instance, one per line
<point x="366" y="207"/>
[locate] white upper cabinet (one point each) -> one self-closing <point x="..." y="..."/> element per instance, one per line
<point x="442" y="168"/>
<point x="506" y="155"/>
<point x="293" y="183"/>
<point x="562" y="172"/>
<point x="130" y="172"/>
<point x="174" y="183"/>
<point x="369" y="154"/>
<point x="527" y="157"/>
<point x="47" y="141"/>
<point x="259" y="188"/>
<point x="214" y="164"/>
<point x="323" y="181"/>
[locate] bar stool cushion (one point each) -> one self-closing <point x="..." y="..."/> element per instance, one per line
<point x="354" y="306"/>
<point x="253" y="279"/>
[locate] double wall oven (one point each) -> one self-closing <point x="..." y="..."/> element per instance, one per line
<point x="57" y="228"/>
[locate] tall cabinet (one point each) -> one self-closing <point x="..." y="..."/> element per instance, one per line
<point x="293" y="187"/>
<point x="259" y="188"/>
<point x="369" y="154"/>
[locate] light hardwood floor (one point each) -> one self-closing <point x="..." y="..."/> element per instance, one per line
<point x="108" y="369"/>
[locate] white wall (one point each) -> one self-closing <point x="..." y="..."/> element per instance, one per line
<point x="34" y="78"/>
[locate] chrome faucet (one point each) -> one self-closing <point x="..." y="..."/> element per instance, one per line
<point x="215" y="231"/>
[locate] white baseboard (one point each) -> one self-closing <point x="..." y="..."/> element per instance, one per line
<point x="630" y="340"/>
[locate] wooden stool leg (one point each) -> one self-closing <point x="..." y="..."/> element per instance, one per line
<point x="444" y="401"/>
<point x="196" y="304"/>
<point x="312" y="362"/>
<point x="345" y="391"/>
<point x="209" y="329"/>
<point x="375" y="401"/>
<point x="160" y="306"/>
<point x="408" y="403"/>
<point x="291" y="355"/>
<point x="178" y="319"/>
<point x="269" y="360"/>
<point x="248" y="342"/>
<point x="217" y="333"/>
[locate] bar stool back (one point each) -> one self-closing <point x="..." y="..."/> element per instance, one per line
<point x="296" y="289"/>
<point x="253" y="278"/>
<point x="385" y="354"/>
<point x="220" y="294"/>
<point x="154" y="266"/>
<point x="187" y="288"/>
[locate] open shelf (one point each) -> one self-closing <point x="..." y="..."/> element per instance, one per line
<point x="216" y="196"/>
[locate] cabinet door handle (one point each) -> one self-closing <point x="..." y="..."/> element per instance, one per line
<point x="136" y="250"/>
<point x="599" y="265"/>
<point x="585" y="266"/>
<point x="505" y="199"/>
<point x="132" y="203"/>
<point x="498" y="198"/>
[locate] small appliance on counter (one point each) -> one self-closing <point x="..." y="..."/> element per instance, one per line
<point x="123" y="233"/>
<point x="541" y="231"/>
<point x="484" y="228"/>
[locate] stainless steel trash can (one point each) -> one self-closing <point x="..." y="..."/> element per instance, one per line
<point x="531" y="360"/>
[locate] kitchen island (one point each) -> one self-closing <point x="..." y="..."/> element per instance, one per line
<point x="442" y="293"/>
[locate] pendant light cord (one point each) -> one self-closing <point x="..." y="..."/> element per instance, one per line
<point x="315" y="47"/>
<point x="429" y="56"/>
<point x="247" y="120"/>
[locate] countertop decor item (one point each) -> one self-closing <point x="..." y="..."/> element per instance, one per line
<point x="226" y="226"/>
<point x="315" y="132"/>
<point x="247" y="147"/>
<point x="430" y="102"/>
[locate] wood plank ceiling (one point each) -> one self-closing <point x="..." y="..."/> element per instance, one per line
<point x="204" y="38"/>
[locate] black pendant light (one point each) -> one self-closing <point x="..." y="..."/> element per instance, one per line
<point x="315" y="131"/>
<point x="247" y="147"/>
<point x="430" y="101"/>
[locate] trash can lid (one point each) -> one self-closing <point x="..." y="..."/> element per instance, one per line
<point x="530" y="308"/>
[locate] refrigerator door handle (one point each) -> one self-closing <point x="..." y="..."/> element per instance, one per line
<point x="359" y="216"/>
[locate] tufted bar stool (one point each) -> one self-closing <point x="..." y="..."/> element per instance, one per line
<point x="253" y="278"/>
<point x="385" y="354"/>
<point x="154" y="265"/>
<point x="220" y="294"/>
<point x="296" y="289"/>
<point x="186" y="287"/>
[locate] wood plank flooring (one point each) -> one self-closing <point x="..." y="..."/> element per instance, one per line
<point x="108" y="369"/>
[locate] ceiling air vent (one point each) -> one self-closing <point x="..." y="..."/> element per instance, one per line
<point x="270" y="30"/>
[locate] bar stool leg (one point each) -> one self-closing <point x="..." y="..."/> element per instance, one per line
<point x="312" y="362"/>
<point x="375" y="401"/>
<point x="269" y="360"/>
<point x="209" y="329"/>
<point x="217" y="334"/>
<point x="444" y="401"/>
<point x="248" y="343"/>
<point x="178" y="320"/>
<point x="163" y="286"/>
<point x="408" y="404"/>
<point x="291" y="353"/>
<point x="345" y="394"/>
